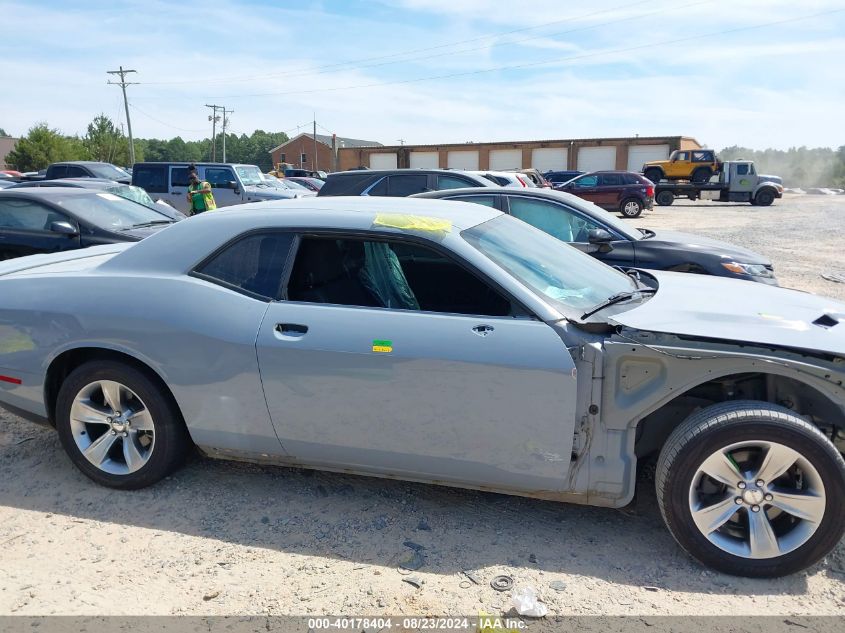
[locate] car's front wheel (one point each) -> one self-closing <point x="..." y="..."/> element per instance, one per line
<point x="631" y="208"/>
<point x="118" y="426"/>
<point x="764" y="198"/>
<point x="752" y="489"/>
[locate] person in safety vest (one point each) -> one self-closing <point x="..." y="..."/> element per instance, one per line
<point x="199" y="195"/>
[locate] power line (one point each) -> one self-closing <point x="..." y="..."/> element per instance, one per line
<point x="123" y="83"/>
<point x="353" y="63"/>
<point x="151" y="117"/>
<point x="540" y="63"/>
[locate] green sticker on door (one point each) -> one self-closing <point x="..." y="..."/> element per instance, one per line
<point x="382" y="346"/>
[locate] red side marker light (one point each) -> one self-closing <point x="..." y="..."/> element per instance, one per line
<point x="14" y="381"/>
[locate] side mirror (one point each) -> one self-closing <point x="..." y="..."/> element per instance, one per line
<point x="64" y="228"/>
<point x="601" y="238"/>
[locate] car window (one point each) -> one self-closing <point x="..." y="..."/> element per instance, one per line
<point x="742" y="169"/>
<point x="682" y="156"/>
<point x="179" y="176"/>
<point x="109" y="211"/>
<point x="108" y="171"/>
<point x="219" y="177"/>
<point x="388" y="274"/>
<point x="701" y="157"/>
<point x="487" y="201"/>
<point x="453" y="182"/>
<point x="554" y="219"/>
<point x="407" y="184"/>
<point x="254" y="264"/>
<point x="378" y="189"/>
<point x="630" y="179"/>
<point x="26" y="215"/>
<point x="58" y="171"/>
<point x="610" y="180"/>
<point x="151" y="178"/>
<point x="586" y="181"/>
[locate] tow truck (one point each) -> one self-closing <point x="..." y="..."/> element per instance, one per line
<point x="738" y="182"/>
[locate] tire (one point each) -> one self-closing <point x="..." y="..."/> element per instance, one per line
<point x="764" y="198"/>
<point x="135" y="450"/>
<point x="751" y="433"/>
<point x="631" y="208"/>
<point x="654" y="174"/>
<point x="702" y="174"/>
<point x="665" y="198"/>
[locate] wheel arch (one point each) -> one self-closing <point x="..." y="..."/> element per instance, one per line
<point x="783" y="388"/>
<point x="68" y="360"/>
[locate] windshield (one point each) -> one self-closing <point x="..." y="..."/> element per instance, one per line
<point x="561" y="274"/>
<point x="249" y="174"/>
<point x="109" y="171"/>
<point x="135" y="194"/>
<point x="289" y="184"/>
<point x="109" y="211"/>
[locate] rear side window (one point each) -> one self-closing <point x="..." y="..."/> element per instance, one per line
<point x="610" y="180"/>
<point x="453" y="182"/>
<point x="378" y="189"/>
<point x="58" y="171"/>
<point x="631" y="179"/>
<point x="254" y="264"/>
<point x="487" y="201"/>
<point x="406" y="185"/>
<point x="76" y="172"/>
<point x="151" y="178"/>
<point x="179" y="176"/>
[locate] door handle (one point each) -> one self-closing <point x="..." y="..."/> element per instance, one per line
<point x="291" y="330"/>
<point x="483" y="330"/>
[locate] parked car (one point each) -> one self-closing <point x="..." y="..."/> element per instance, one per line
<point x="314" y="184"/>
<point x="291" y="189"/>
<point x="506" y="178"/>
<point x="230" y="183"/>
<point x="87" y="169"/>
<point x="611" y="240"/>
<point x="5" y="183"/>
<point x="697" y="165"/>
<point x="536" y="177"/>
<point x="130" y="192"/>
<point x="446" y="343"/>
<point x="62" y="219"/>
<point x="622" y="191"/>
<point x="398" y="182"/>
<point x="558" y="178"/>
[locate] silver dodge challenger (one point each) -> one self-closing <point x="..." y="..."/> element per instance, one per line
<point x="440" y="342"/>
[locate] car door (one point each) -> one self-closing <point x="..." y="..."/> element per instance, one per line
<point x="452" y="382"/>
<point x="586" y="187"/>
<point x="609" y="191"/>
<point x="177" y="192"/>
<point x="572" y="227"/>
<point x="219" y="179"/>
<point x="679" y="166"/>
<point x="28" y="227"/>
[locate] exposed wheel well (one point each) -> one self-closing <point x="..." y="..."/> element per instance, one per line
<point x="67" y="361"/>
<point x="654" y="429"/>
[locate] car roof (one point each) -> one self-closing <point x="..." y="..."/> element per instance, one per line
<point x="531" y="192"/>
<point x="398" y="170"/>
<point x="48" y="192"/>
<point x="81" y="162"/>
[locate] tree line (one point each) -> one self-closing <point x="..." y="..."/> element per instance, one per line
<point x="798" y="166"/>
<point x="104" y="141"/>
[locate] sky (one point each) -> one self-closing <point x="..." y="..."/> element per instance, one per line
<point x="755" y="73"/>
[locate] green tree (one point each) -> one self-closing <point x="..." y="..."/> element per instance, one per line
<point x="42" y="146"/>
<point x="102" y="139"/>
<point x="3" y="132"/>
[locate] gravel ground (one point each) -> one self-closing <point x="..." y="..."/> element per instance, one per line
<point x="225" y="538"/>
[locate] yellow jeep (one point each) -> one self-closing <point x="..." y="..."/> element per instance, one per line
<point x="697" y="165"/>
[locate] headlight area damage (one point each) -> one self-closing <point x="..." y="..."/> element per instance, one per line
<point x="645" y="384"/>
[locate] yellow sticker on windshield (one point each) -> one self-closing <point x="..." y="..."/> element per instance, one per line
<point x="413" y="223"/>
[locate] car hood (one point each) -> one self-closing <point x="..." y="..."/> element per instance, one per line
<point x="688" y="241"/>
<point x="268" y="193"/>
<point x="735" y="310"/>
<point x="141" y="232"/>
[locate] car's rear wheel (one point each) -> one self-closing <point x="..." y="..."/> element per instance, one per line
<point x="665" y="198"/>
<point x="631" y="208"/>
<point x="702" y="174"/>
<point x="654" y="175"/>
<point x="764" y="198"/>
<point x="752" y="489"/>
<point x="118" y="427"/>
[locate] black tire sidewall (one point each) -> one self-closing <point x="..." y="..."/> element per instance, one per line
<point x="665" y="198"/>
<point x="690" y="457"/>
<point x="651" y="172"/>
<point x="701" y="170"/>
<point x="764" y="198"/>
<point x="640" y="207"/>
<point x="170" y="435"/>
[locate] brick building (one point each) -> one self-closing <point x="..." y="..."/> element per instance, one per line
<point x="299" y="151"/>
<point x="584" y="154"/>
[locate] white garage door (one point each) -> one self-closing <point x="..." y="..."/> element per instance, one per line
<point x="463" y="160"/>
<point x="640" y="154"/>
<point x="545" y="159"/>
<point x="383" y="161"/>
<point x="425" y="160"/>
<point x="502" y="159"/>
<point x="596" y="158"/>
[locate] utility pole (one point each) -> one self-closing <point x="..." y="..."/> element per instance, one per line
<point x="315" y="142"/>
<point x="225" y="121"/>
<point x="213" y="118"/>
<point x="123" y="83"/>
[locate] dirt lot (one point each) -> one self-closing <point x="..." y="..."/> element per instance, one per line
<point x="223" y="538"/>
